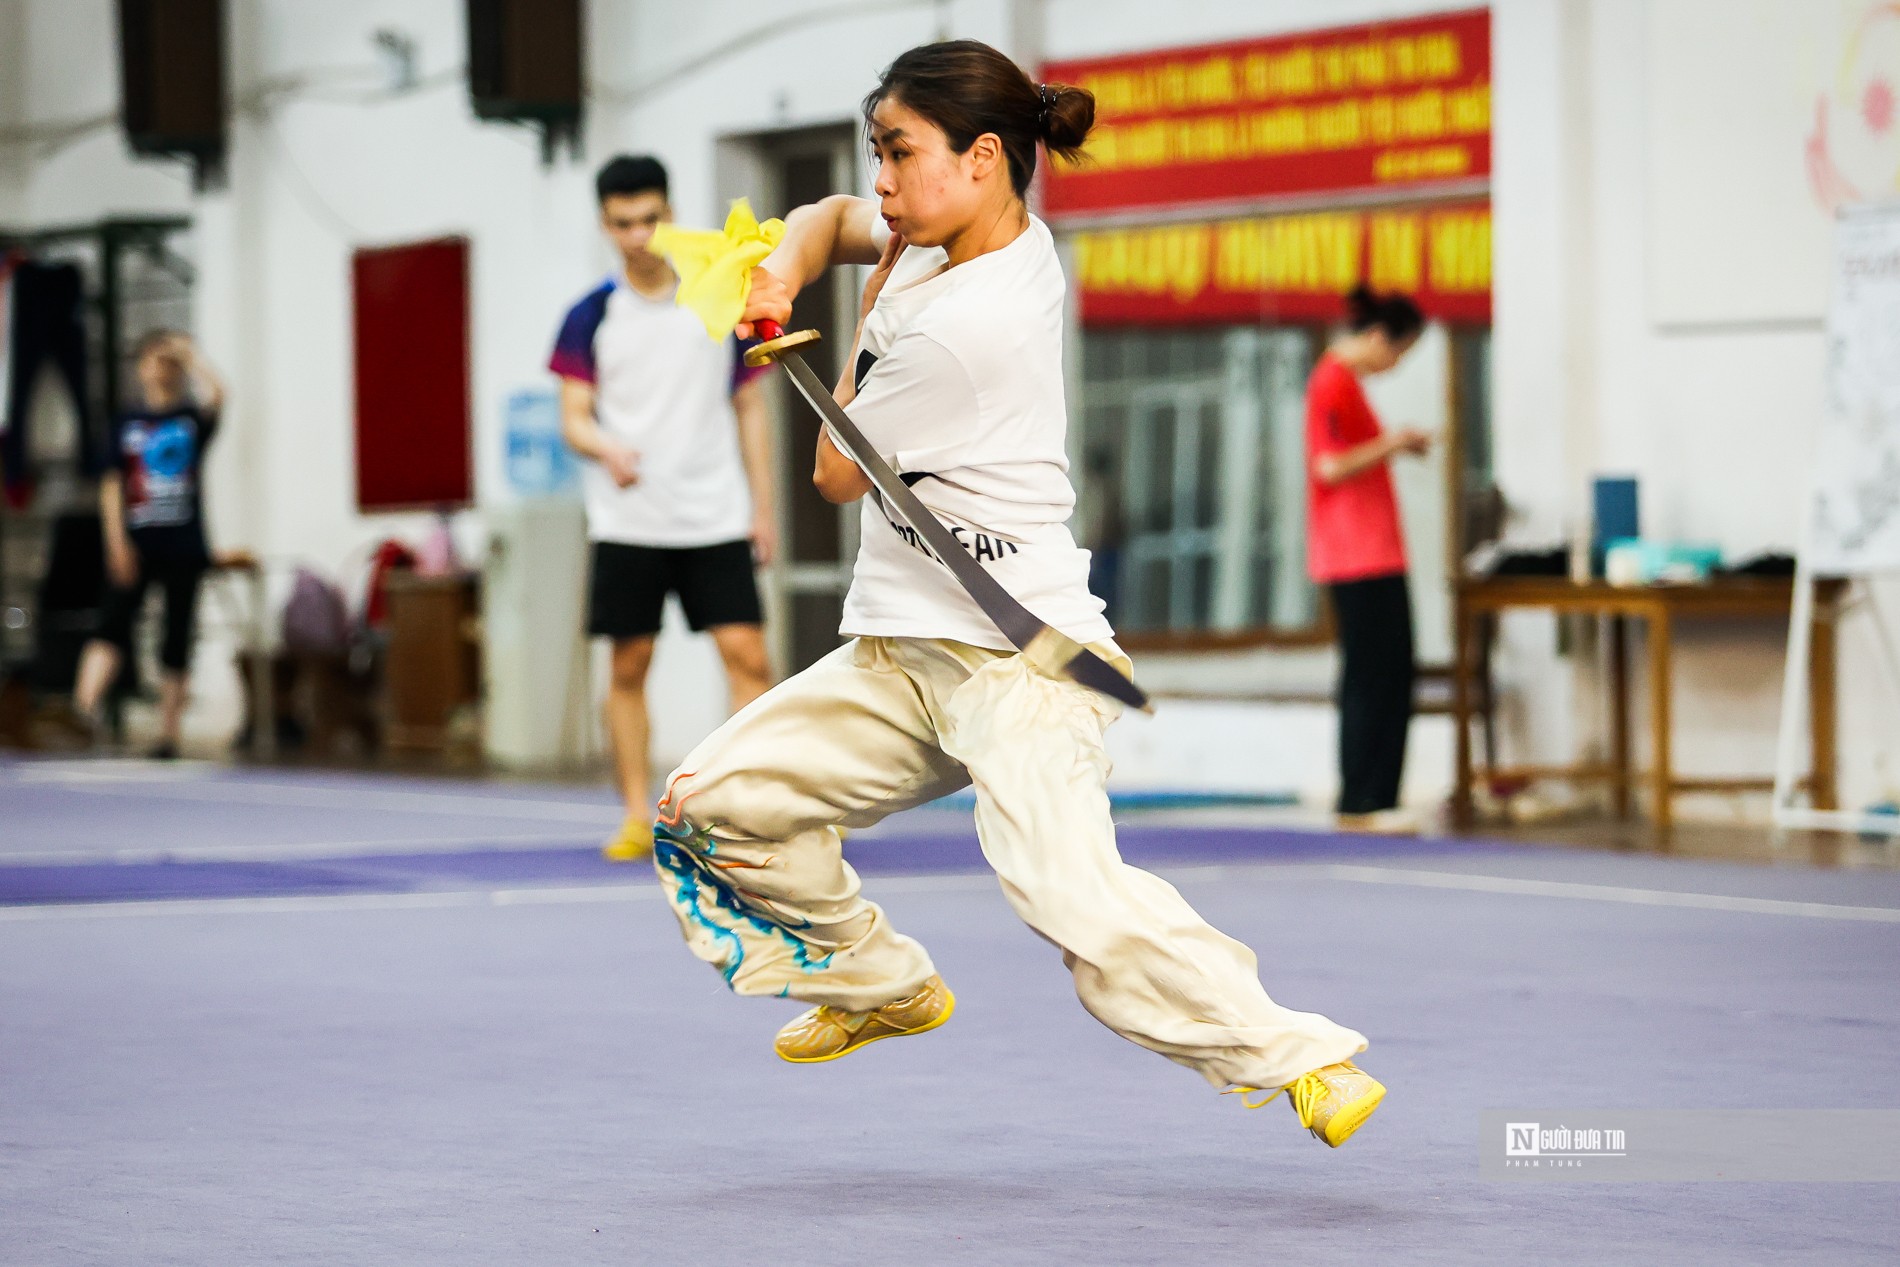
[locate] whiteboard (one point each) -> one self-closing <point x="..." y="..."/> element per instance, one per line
<point x="1855" y="528"/>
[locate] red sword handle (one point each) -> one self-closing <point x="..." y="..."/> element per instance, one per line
<point x="775" y="341"/>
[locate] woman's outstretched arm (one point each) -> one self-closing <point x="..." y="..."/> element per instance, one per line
<point x="834" y="230"/>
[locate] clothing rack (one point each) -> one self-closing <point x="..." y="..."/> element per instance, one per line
<point x="130" y="266"/>
<point x="112" y="240"/>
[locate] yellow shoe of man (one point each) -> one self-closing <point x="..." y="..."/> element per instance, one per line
<point x="1332" y="1102"/>
<point x="632" y="843"/>
<point x="826" y="1033"/>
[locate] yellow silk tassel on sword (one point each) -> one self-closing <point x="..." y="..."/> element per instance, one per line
<point x="715" y="268"/>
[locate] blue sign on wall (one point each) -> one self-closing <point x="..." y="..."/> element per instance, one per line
<point x="539" y="462"/>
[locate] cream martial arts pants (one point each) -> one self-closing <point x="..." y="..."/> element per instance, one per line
<point x="747" y="849"/>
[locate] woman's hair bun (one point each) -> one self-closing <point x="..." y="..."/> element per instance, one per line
<point x="1068" y="113"/>
<point x="969" y="89"/>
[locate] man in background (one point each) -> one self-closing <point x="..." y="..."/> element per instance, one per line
<point x="678" y="483"/>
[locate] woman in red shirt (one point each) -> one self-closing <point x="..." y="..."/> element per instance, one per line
<point x="1356" y="548"/>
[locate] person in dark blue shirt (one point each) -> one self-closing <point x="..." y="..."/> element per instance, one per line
<point x="152" y="511"/>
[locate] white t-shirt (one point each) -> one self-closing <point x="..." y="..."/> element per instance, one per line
<point x="960" y="390"/>
<point x="663" y="389"/>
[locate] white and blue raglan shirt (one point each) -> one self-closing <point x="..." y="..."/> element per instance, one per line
<point x="663" y="389"/>
<point x="959" y="374"/>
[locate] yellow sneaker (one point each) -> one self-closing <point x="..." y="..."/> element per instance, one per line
<point x="826" y="1033"/>
<point x="1384" y="822"/>
<point x="632" y="843"/>
<point x="1332" y="1102"/>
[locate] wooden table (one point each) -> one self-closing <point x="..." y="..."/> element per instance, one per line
<point x="1479" y="601"/>
<point x="433" y="665"/>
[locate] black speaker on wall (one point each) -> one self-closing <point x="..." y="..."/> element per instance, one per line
<point x="525" y="65"/>
<point x="172" y="82"/>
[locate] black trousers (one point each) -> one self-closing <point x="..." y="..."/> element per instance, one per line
<point x="47" y="326"/>
<point x="1374" y="619"/>
<point x="178" y="579"/>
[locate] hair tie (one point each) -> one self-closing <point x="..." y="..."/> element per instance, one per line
<point x="1047" y="96"/>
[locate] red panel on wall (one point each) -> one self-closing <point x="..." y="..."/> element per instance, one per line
<point x="412" y="411"/>
<point x="1287" y="268"/>
<point x="1393" y="106"/>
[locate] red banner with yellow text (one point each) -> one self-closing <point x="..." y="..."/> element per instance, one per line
<point x="1401" y="105"/>
<point x="1288" y="268"/>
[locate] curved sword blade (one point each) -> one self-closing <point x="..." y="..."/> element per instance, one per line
<point x="1018" y="623"/>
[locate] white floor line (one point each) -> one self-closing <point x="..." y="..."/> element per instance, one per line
<point x="955" y="882"/>
<point x="961" y="882"/>
<point x="1611" y="893"/>
<point x="565" y="895"/>
<point x="576" y="894"/>
<point x="105" y="770"/>
<point x="316" y="851"/>
<point x="331" y="902"/>
<point x="221" y="792"/>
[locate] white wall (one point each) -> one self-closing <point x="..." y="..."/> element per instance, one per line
<point x="1094" y="28"/>
<point x="809" y="66"/>
<point x="1673" y="334"/>
<point x="1731" y="69"/>
<point x="322" y="163"/>
<point x="71" y="77"/>
<point x="12" y="112"/>
<point x="1699" y="369"/>
<point x="1592" y="372"/>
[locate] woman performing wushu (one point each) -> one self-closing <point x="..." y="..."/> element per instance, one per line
<point x="957" y="379"/>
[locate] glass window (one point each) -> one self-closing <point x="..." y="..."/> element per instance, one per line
<point x="1193" y="491"/>
<point x="1481" y="508"/>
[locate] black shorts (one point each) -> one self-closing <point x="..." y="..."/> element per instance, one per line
<point x="630" y="584"/>
<point x="178" y="581"/>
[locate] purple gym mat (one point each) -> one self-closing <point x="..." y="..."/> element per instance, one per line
<point x="220" y="1083"/>
<point x="77" y="834"/>
<point x="502" y="868"/>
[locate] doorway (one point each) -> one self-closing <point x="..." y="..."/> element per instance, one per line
<point x="804" y="586"/>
